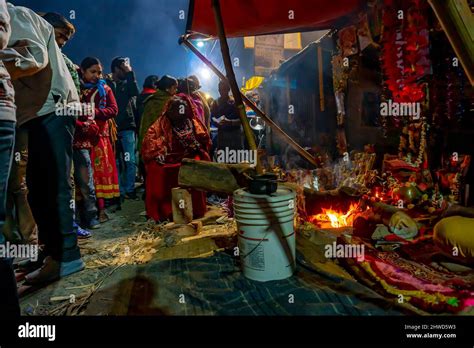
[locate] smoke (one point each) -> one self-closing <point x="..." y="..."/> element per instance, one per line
<point x="146" y="31"/>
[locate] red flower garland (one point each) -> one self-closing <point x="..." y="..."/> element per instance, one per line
<point x="405" y="52"/>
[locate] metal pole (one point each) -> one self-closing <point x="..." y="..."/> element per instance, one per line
<point x="305" y="154"/>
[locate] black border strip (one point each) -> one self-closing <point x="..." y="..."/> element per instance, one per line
<point x="189" y="22"/>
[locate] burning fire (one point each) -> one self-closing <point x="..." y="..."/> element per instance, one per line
<point x="336" y="218"/>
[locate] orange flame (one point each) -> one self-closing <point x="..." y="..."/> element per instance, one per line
<point x="336" y="218"/>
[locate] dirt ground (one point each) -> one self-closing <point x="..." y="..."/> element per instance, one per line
<point x="123" y="242"/>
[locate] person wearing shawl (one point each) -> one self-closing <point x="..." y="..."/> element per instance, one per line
<point x="96" y="92"/>
<point x="189" y="87"/>
<point x="197" y="94"/>
<point x="177" y="134"/>
<point x="154" y="105"/>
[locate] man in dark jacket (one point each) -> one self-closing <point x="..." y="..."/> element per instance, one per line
<point x="225" y="115"/>
<point x="125" y="88"/>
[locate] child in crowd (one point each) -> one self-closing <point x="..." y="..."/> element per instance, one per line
<point x="94" y="90"/>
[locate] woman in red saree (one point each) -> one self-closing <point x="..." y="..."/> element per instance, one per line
<point x="178" y="133"/>
<point x="94" y="91"/>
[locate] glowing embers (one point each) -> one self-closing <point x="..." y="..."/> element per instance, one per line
<point x="330" y="218"/>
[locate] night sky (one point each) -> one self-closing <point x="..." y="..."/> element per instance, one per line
<point x="146" y="31"/>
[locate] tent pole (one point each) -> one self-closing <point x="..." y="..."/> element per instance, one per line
<point x="233" y="82"/>
<point x="302" y="152"/>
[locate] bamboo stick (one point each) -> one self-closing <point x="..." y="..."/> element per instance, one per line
<point x="457" y="22"/>
<point x="233" y="82"/>
<point x="320" y="78"/>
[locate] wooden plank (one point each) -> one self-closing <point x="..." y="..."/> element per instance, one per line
<point x="457" y="21"/>
<point x="182" y="205"/>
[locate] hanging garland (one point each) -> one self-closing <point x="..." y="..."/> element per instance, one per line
<point x="410" y="133"/>
<point x="447" y="90"/>
<point x="405" y="63"/>
<point x="340" y="77"/>
<point x="405" y="52"/>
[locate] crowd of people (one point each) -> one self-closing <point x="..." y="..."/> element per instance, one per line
<point x="73" y="142"/>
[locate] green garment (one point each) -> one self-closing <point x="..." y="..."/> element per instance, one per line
<point x="72" y="70"/>
<point x="154" y="106"/>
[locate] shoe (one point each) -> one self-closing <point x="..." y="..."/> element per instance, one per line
<point x="132" y="196"/>
<point x="28" y="266"/>
<point x="70" y="267"/>
<point x="83" y="233"/>
<point x="52" y="270"/>
<point x="103" y="217"/>
<point x="47" y="273"/>
<point x="94" y="224"/>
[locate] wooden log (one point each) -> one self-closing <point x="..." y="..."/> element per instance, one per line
<point x="212" y="232"/>
<point x="214" y="177"/>
<point x="182" y="206"/>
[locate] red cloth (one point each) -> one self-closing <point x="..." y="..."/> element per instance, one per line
<point x="269" y="16"/>
<point x="398" y="164"/>
<point x="160" y="179"/>
<point x="101" y="115"/>
<point x="102" y="154"/>
<point x="86" y="134"/>
<point x="87" y="131"/>
<point x="160" y="139"/>
<point x="199" y="108"/>
<point x="147" y="90"/>
<point x="105" y="170"/>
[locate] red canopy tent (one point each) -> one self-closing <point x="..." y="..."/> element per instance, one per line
<point x="237" y="18"/>
<point x="261" y="17"/>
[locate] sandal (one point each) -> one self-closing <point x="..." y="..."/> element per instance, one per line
<point x="103" y="217"/>
<point x="82" y="233"/>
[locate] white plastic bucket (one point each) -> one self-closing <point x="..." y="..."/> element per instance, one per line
<point x="266" y="233"/>
<point x="262" y="215"/>
<point x="266" y="210"/>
